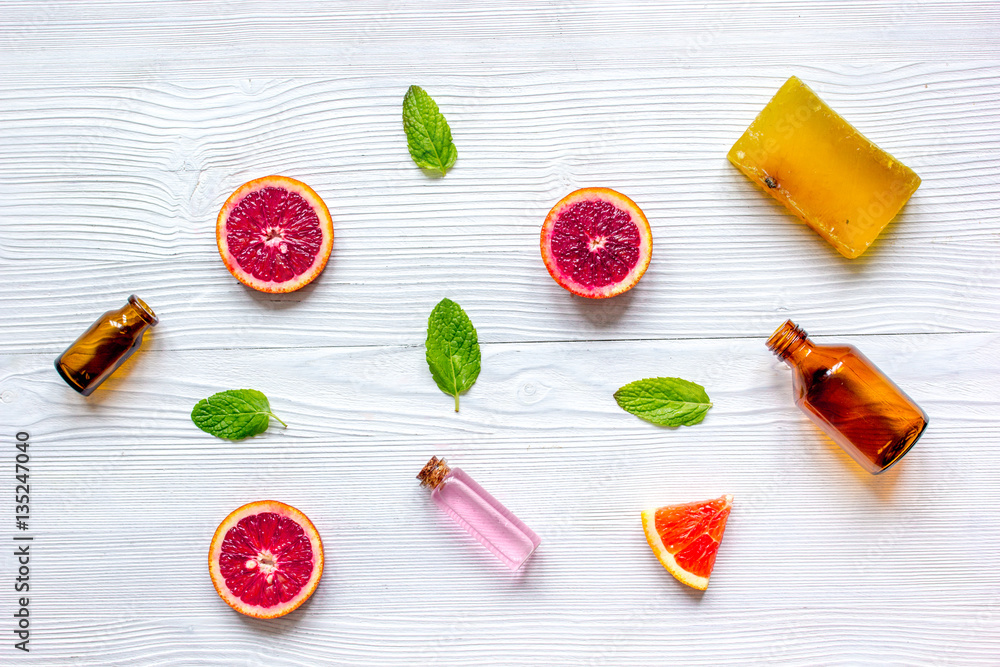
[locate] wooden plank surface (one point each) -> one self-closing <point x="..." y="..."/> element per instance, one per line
<point x="123" y="128"/>
<point x="132" y="187"/>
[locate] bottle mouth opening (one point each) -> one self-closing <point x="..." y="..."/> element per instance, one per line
<point x="144" y="310"/>
<point x="784" y="339"/>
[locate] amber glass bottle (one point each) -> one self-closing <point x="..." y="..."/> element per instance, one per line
<point x="849" y="398"/>
<point x="105" y="345"/>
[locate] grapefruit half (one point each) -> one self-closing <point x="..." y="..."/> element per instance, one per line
<point x="274" y="234"/>
<point x="596" y="243"/>
<point x="266" y="559"/>
<point x="685" y="538"/>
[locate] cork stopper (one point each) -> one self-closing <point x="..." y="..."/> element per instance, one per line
<point x="434" y="472"/>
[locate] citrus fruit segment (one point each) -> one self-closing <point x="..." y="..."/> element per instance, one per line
<point x="596" y="243"/>
<point x="266" y="559"/>
<point x="685" y="538"/>
<point x="274" y="234"/>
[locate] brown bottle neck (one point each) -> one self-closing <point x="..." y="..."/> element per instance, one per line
<point x="790" y="344"/>
<point x="136" y="309"/>
<point x="132" y="319"/>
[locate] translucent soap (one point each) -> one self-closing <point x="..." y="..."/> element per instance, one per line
<point x="802" y="153"/>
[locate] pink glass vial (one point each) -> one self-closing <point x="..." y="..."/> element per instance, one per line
<point x="479" y="513"/>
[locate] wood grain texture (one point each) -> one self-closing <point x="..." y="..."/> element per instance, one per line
<point x="130" y="182"/>
<point x="254" y="38"/>
<point x="815" y="545"/>
<point x="125" y="125"/>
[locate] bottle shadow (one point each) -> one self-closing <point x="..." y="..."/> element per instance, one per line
<point x="125" y="378"/>
<point x="883" y="485"/>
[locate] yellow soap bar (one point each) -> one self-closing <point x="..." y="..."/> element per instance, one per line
<point x="822" y="169"/>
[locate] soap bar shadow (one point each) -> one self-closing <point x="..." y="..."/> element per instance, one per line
<point x="859" y="265"/>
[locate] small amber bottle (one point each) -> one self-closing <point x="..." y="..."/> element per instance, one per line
<point x="105" y="345"/>
<point x="849" y="398"/>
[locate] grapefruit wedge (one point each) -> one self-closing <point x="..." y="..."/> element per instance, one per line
<point x="596" y="243"/>
<point x="685" y="538"/>
<point x="274" y="234"/>
<point x="266" y="559"/>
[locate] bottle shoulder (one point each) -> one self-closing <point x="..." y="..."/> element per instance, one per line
<point x="457" y="477"/>
<point x="824" y="357"/>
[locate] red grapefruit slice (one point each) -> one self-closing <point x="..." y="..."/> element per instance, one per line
<point x="596" y="243"/>
<point x="274" y="234"/>
<point x="685" y="538"/>
<point x="266" y="559"/>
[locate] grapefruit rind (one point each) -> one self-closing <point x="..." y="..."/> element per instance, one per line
<point x="325" y="221"/>
<point x="665" y="557"/>
<point x="215" y="552"/>
<point x="621" y="202"/>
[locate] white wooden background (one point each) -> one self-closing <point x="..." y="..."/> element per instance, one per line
<point x="123" y="128"/>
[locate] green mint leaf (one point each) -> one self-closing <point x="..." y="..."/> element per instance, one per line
<point x="427" y="133"/>
<point x="665" y="401"/>
<point x="452" y="349"/>
<point x="234" y="414"/>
